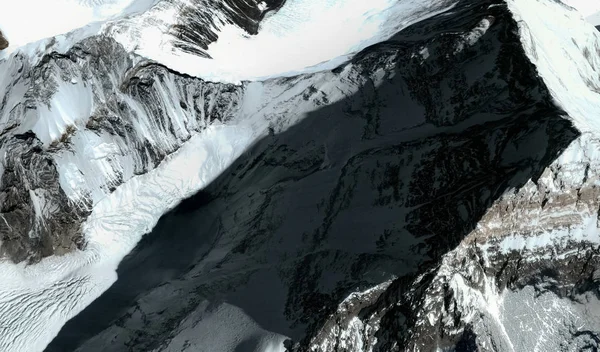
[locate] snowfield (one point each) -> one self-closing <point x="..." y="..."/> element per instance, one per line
<point x="302" y="37"/>
<point x="36" y="300"/>
<point x="569" y="70"/>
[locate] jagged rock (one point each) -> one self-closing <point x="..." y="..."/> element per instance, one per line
<point x="3" y="42"/>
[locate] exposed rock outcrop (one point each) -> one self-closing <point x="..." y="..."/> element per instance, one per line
<point x="3" y="41"/>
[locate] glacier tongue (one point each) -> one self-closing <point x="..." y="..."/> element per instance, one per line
<point x="57" y="288"/>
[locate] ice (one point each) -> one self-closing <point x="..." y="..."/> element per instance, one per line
<point x="303" y="36"/>
<point x="50" y="122"/>
<point x="58" y="288"/>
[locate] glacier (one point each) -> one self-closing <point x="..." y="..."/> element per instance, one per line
<point x="157" y="120"/>
<point x="336" y="30"/>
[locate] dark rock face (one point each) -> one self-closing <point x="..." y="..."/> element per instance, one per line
<point x="197" y="25"/>
<point x="30" y="185"/>
<point x="3" y="42"/>
<point x="346" y="230"/>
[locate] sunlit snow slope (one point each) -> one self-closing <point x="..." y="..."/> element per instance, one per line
<point x="570" y="69"/>
<point x="203" y="39"/>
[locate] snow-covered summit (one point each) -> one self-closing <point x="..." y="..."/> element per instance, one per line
<point x="301" y="37"/>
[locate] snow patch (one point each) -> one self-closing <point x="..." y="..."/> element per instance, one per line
<point x="52" y="121"/>
<point x="556" y="238"/>
<point x="475" y="34"/>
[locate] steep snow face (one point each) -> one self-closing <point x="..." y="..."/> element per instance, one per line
<point x="303" y="36"/>
<point x="422" y="143"/>
<point x="46" y="19"/>
<point x="568" y="59"/>
<point x="226" y="41"/>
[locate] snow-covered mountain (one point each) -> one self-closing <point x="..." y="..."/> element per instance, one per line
<point x="355" y="176"/>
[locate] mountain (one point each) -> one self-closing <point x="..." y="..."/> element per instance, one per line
<point x="431" y="185"/>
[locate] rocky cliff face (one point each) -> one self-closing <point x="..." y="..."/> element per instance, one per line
<point x="437" y="192"/>
<point x="3" y="42"/>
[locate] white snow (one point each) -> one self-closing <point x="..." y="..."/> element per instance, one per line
<point x="50" y="122"/>
<point x="556" y="238"/>
<point x="304" y="36"/>
<point x="470" y="38"/>
<point x="221" y="327"/>
<point x="58" y="288"/>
